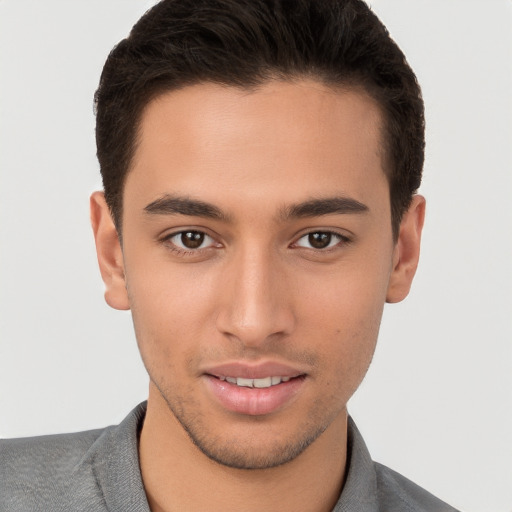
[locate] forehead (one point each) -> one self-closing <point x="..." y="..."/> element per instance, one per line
<point x="296" y="138"/>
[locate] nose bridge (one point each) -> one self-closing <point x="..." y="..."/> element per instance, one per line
<point x="256" y="305"/>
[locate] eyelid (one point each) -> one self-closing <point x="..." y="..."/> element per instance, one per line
<point x="343" y="239"/>
<point x="173" y="231"/>
<point x="166" y="239"/>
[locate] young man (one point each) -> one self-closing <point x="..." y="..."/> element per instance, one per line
<point x="260" y="163"/>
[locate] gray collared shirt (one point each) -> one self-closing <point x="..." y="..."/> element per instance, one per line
<point x="98" y="471"/>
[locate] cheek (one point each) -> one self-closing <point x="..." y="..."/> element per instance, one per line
<point x="350" y="299"/>
<point x="171" y="296"/>
<point x="170" y="312"/>
<point x="344" y="318"/>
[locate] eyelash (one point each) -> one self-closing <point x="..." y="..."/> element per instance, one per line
<point x="342" y="240"/>
<point x="167" y="240"/>
<point x="181" y="251"/>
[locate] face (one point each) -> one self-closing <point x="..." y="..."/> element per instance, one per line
<point x="257" y="256"/>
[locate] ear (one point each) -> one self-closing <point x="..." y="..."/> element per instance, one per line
<point x="407" y="251"/>
<point x="109" y="252"/>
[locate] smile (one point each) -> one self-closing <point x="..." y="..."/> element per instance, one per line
<point x="265" y="382"/>
<point x="254" y="395"/>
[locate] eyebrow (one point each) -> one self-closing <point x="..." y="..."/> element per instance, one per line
<point x="324" y="206"/>
<point x="172" y="205"/>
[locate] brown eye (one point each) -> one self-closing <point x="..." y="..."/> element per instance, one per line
<point x="191" y="240"/>
<point x="321" y="240"/>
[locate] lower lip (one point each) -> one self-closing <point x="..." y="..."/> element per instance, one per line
<point x="253" y="401"/>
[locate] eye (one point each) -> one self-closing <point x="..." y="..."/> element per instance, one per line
<point x="190" y="240"/>
<point x="320" y="240"/>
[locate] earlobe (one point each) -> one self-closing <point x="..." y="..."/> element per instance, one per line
<point x="407" y="251"/>
<point x="109" y="252"/>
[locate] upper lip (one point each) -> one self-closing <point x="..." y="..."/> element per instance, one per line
<point x="253" y="370"/>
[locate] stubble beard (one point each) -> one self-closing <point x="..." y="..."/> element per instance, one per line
<point x="235" y="453"/>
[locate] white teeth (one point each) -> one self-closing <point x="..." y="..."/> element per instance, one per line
<point x="265" y="382"/>
<point x="246" y="383"/>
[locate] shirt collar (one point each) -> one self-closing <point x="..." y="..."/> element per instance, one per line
<point x="360" y="488"/>
<point x="118" y="473"/>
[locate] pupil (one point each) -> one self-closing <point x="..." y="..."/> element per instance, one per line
<point x="192" y="239"/>
<point x="320" y="240"/>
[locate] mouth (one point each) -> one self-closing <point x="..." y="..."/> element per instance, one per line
<point x="254" y="390"/>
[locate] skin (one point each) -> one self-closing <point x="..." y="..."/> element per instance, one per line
<point x="256" y="290"/>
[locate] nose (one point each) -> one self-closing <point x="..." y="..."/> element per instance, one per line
<point x="256" y="303"/>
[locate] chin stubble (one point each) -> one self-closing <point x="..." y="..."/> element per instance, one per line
<point x="230" y="452"/>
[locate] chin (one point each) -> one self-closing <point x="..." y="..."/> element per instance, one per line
<point x="241" y="453"/>
<point x="252" y="443"/>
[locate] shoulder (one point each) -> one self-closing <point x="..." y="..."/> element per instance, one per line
<point x="46" y="452"/>
<point x="372" y="487"/>
<point x="38" y="472"/>
<point x="92" y="471"/>
<point x="399" y="493"/>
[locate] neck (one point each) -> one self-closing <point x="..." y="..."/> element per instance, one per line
<point x="178" y="476"/>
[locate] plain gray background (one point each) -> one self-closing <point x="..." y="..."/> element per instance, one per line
<point x="437" y="402"/>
